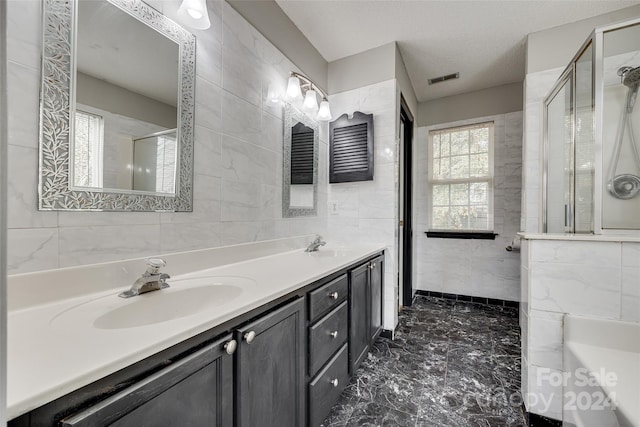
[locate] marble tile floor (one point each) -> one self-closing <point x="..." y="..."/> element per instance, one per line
<point x="452" y="364"/>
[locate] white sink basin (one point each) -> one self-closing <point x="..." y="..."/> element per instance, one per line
<point x="185" y="297"/>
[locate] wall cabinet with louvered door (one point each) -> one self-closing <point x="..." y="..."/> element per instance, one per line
<point x="351" y="148"/>
<point x="192" y="392"/>
<point x="270" y="374"/>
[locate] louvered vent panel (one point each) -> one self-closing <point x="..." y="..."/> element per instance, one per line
<point x="302" y="157"/>
<point x="351" y="148"/>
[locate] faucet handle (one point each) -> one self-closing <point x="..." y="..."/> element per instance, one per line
<point x="155" y="264"/>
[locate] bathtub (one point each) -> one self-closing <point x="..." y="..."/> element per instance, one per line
<point x="602" y="373"/>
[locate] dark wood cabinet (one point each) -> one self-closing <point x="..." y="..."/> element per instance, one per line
<point x="270" y="375"/>
<point x="365" y="309"/>
<point x="359" y="316"/>
<point x="195" y="391"/>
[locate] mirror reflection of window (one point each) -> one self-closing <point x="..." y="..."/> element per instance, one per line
<point x="154" y="166"/>
<point x="88" y="150"/>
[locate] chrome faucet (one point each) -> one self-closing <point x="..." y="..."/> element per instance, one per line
<point x="151" y="280"/>
<point x="313" y="246"/>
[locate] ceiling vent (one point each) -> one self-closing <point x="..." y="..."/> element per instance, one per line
<point x="444" y="78"/>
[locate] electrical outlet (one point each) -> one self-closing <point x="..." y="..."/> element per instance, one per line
<point x="333" y="208"/>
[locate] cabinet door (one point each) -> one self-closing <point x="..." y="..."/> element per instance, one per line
<point x="359" y="316"/>
<point x="195" y="391"/>
<point x="377" y="275"/>
<point x="271" y="362"/>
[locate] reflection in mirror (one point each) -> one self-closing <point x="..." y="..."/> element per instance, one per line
<point x="300" y="164"/>
<point x="117" y="108"/>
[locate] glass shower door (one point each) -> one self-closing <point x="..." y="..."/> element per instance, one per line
<point x="585" y="142"/>
<point x="559" y="156"/>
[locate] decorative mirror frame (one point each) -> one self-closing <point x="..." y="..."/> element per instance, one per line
<point x="291" y="116"/>
<point x="54" y="192"/>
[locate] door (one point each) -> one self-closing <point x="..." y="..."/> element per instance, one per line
<point x="405" y="228"/>
<point x="270" y="371"/>
<point x="192" y="392"/>
<point x="359" y="316"/>
<point x="376" y="276"/>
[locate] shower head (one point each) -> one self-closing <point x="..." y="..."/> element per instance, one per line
<point x="630" y="76"/>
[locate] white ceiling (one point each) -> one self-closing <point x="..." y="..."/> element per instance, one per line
<point x="483" y="40"/>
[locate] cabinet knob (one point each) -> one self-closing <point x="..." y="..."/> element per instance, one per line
<point x="230" y="347"/>
<point x="334" y="382"/>
<point x="334" y="334"/>
<point x="249" y="336"/>
<point x="333" y="295"/>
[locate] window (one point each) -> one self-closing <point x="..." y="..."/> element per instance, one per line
<point x="461" y="178"/>
<point x="87" y="150"/>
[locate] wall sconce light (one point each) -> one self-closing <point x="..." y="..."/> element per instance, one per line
<point x="299" y="84"/>
<point x="194" y="14"/>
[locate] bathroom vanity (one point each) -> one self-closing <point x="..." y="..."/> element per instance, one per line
<point x="279" y="361"/>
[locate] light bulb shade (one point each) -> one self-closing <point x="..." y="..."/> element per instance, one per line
<point x="310" y="101"/>
<point x="324" y="113"/>
<point x="293" y="88"/>
<point x="194" y="14"/>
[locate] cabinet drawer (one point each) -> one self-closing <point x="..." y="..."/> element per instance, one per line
<point x="326" y="336"/>
<point x="325" y="389"/>
<point x="327" y="296"/>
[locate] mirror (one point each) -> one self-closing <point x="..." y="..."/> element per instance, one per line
<point x="300" y="189"/>
<point x="117" y="108"/>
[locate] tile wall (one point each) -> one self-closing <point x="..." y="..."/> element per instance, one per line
<point x="586" y="278"/>
<point x="480" y="268"/>
<point x="367" y="211"/>
<point x="238" y="155"/>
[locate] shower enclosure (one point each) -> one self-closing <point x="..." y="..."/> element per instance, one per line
<point x="592" y="137"/>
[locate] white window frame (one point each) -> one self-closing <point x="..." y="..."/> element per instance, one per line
<point x="489" y="179"/>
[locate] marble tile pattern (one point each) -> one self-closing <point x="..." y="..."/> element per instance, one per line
<point x="587" y="278"/>
<point x="451" y="364"/>
<point x="480" y="268"/>
<point x="367" y="211"/>
<point x="238" y="155"/>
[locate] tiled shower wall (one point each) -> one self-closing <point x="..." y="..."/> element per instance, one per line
<point x="367" y="212"/>
<point x="238" y="155"/>
<point x="481" y="268"/>
<point x="596" y="279"/>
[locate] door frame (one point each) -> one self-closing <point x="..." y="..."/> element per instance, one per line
<point x="407" y="199"/>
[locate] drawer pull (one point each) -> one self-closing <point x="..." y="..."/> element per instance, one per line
<point x="333" y="295"/>
<point x="249" y="336"/>
<point x="334" y="382"/>
<point x="230" y="347"/>
<point x="334" y="334"/>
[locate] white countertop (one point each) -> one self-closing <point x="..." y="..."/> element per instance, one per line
<point x="47" y="362"/>
<point x="582" y="237"/>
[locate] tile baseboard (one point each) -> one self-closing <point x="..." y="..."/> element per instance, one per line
<point x="468" y="298"/>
